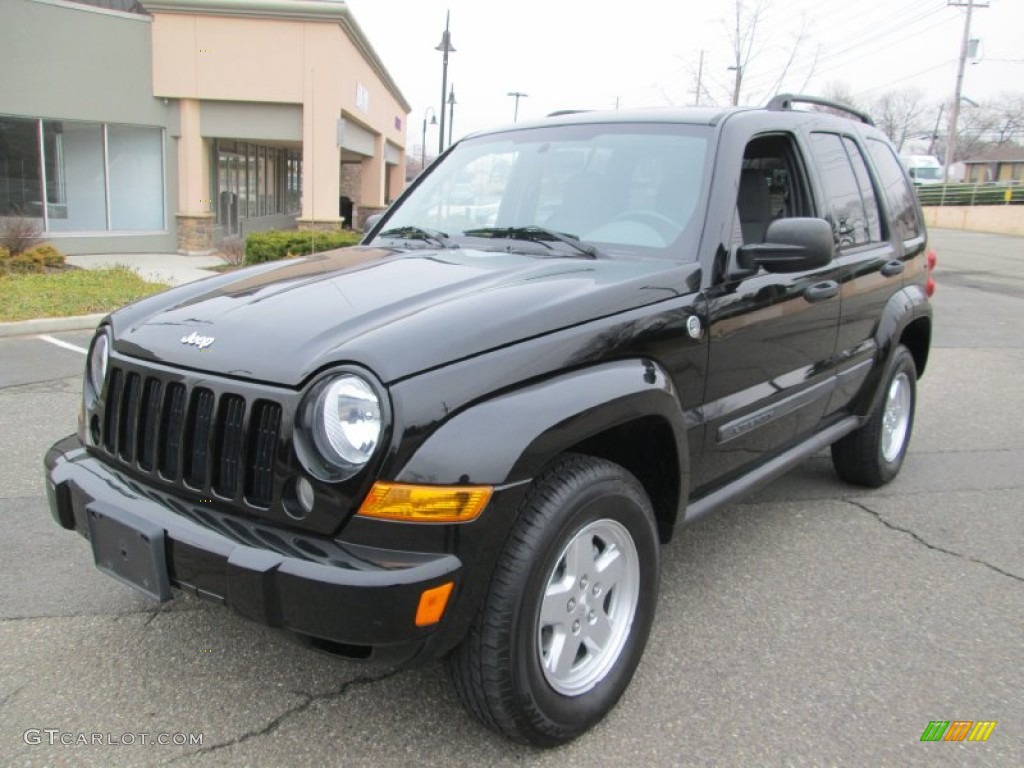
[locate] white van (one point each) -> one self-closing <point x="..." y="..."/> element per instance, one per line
<point x="923" y="169"/>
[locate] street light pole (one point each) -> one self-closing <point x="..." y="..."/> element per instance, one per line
<point x="518" y="95"/>
<point x="451" y="113"/>
<point x="446" y="46"/>
<point x="423" y="145"/>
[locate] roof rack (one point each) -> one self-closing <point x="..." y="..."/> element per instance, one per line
<point x="560" y="112"/>
<point x="785" y="101"/>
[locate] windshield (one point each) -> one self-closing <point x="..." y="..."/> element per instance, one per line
<point x="928" y="173"/>
<point x="614" y="189"/>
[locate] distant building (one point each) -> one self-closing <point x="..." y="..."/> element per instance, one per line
<point x="162" y="125"/>
<point x="1001" y="164"/>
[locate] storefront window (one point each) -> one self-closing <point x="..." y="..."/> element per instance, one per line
<point x="21" y="188"/>
<point x="252" y="181"/>
<point x="75" y="177"/>
<point x="136" y="178"/>
<point x="85" y="167"/>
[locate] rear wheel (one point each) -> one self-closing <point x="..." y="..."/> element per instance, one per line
<point x="569" y="608"/>
<point x="873" y="455"/>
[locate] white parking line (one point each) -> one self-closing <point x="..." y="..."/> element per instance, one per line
<point x="66" y="345"/>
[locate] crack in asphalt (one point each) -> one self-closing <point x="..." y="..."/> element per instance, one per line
<point x="928" y="544"/>
<point x="12" y="694"/>
<point x="308" y="700"/>
<point x="151" y="613"/>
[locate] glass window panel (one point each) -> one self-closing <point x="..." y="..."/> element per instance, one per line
<point x="846" y="208"/>
<point x="272" y="160"/>
<point x="262" y="176"/>
<point x="241" y="185"/>
<point x="21" y="189"/>
<point x="75" y="185"/>
<point x="867" y="190"/>
<point x="136" y="177"/>
<point x="253" y="182"/>
<point x="898" y="192"/>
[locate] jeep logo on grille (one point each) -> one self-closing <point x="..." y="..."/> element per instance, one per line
<point x="197" y="340"/>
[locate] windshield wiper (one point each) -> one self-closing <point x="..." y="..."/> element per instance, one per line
<point x="420" y="233"/>
<point x="535" y="234"/>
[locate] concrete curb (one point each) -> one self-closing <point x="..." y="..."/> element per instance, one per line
<point x="51" y="325"/>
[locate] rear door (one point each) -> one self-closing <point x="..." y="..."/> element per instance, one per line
<point x="870" y="257"/>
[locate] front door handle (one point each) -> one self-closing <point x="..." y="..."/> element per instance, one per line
<point x="893" y="268"/>
<point x="822" y="291"/>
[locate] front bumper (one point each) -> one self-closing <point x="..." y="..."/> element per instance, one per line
<point x="360" y="600"/>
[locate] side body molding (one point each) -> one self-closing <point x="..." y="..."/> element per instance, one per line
<point x="509" y="438"/>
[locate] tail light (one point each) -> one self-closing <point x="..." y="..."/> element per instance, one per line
<point x="929" y="285"/>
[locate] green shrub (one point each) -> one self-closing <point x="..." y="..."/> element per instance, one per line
<point x="36" y="259"/>
<point x="45" y="256"/>
<point x="277" y="244"/>
<point x="23" y="264"/>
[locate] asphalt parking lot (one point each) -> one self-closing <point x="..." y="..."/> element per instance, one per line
<point x="813" y="624"/>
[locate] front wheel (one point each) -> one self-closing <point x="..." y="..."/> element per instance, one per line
<point x="569" y="609"/>
<point x="873" y="454"/>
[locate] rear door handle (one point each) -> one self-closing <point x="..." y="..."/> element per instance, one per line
<point x="822" y="291"/>
<point x="892" y="268"/>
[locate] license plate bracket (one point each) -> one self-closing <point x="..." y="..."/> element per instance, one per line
<point x="130" y="549"/>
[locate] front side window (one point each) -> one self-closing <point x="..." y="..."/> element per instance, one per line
<point x="623" y="188"/>
<point x="854" y="217"/>
<point x="772" y="186"/>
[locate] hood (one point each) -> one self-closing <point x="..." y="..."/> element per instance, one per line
<point x="395" y="312"/>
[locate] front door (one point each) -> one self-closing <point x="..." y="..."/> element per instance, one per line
<point x="772" y="336"/>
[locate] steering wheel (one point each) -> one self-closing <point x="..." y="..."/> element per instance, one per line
<point x="666" y="228"/>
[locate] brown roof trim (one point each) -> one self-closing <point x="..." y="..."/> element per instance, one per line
<point x="295" y="10"/>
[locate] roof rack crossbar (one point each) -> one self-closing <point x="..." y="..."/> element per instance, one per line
<point x="785" y="101"/>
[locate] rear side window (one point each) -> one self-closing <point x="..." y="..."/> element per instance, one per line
<point x="852" y="206"/>
<point x="897" y="190"/>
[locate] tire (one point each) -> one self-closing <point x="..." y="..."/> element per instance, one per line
<point x="873" y="455"/>
<point x="583" y="520"/>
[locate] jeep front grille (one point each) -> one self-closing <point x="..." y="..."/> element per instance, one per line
<point x="216" y="444"/>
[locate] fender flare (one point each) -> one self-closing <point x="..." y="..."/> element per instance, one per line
<point x="509" y="438"/>
<point x="903" y="308"/>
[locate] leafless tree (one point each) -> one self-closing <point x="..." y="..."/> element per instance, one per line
<point x="900" y="114"/>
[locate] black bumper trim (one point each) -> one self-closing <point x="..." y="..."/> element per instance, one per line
<point x="348" y="594"/>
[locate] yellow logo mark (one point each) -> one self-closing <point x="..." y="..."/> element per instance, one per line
<point x="982" y="730"/>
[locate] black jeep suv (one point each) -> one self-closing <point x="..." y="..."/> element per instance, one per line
<point x="470" y="435"/>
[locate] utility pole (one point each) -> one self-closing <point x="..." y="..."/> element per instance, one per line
<point x="700" y="74"/>
<point x="738" y="68"/>
<point x="954" y="109"/>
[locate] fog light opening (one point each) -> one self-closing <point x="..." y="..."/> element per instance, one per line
<point x="299" y="498"/>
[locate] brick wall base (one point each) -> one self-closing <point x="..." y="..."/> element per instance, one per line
<point x="196" y="234"/>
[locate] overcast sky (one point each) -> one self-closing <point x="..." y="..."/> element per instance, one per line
<point x="643" y="53"/>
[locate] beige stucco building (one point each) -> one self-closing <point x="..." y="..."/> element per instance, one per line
<point x="242" y="115"/>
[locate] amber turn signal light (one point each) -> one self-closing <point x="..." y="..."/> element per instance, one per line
<point x="425" y="503"/>
<point x="432" y="604"/>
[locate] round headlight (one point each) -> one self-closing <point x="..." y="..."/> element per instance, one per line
<point x="98" y="362"/>
<point x="347" y="422"/>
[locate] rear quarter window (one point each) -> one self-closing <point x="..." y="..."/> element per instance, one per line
<point x="896" y="188"/>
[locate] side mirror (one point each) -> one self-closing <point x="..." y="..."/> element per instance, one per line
<point x="791" y="245"/>
<point x="371" y="222"/>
